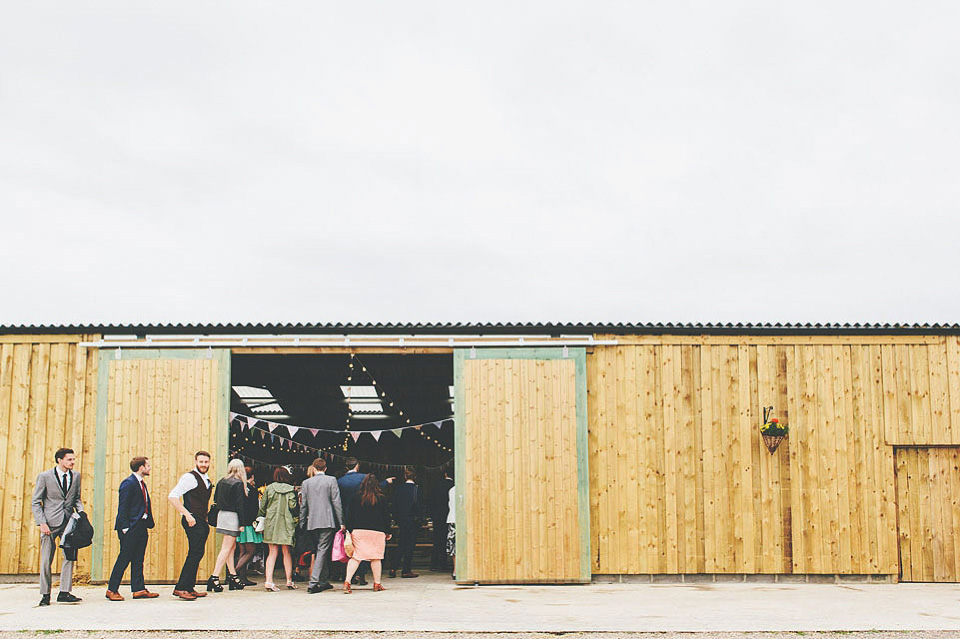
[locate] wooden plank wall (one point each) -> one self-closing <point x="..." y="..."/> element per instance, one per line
<point x="922" y="390"/>
<point x="47" y="400"/>
<point x="928" y="499"/>
<point x="521" y="464"/>
<point x="165" y="409"/>
<point x="680" y="481"/>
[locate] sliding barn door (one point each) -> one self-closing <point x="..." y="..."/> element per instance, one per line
<point x="165" y="405"/>
<point x="521" y="463"/>
<point x="928" y="504"/>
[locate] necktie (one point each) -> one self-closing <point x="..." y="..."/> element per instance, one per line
<point x="146" y="501"/>
<point x="63" y="483"/>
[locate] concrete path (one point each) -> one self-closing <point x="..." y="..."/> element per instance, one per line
<point x="434" y="603"/>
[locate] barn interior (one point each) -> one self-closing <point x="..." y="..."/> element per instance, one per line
<point x="387" y="410"/>
<point x="298" y="407"/>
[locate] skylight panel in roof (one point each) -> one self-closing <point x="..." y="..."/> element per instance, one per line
<point x="248" y="392"/>
<point x="366" y="407"/>
<point x="353" y="392"/>
<point x="266" y="409"/>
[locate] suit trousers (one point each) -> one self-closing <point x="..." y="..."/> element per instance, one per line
<point x="406" y="544"/>
<point x="197" y="540"/>
<point x="48" y="547"/>
<point x="321" y="563"/>
<point x="133" y="545"/>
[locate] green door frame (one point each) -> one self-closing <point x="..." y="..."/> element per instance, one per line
<point x="579" y="357"/>
<point x="222" y="355"/>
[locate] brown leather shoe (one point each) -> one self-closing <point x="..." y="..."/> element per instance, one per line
<point x="114" y="596"/>
<point x="409" y="575"/>
<point x="145" y="594"/>
<point x="198" y="593"/>
<point x="184" y="594"/>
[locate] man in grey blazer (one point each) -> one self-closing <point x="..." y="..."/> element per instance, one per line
<point x="321" y="513"/>
<point x="55" y="498"/>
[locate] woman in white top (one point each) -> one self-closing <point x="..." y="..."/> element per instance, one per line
<point x="452" y="531"/>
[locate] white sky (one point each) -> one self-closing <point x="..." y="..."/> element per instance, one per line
<point x="496" y="161"/>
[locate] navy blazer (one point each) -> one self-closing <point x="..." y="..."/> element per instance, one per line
<point x="131" y="506"/>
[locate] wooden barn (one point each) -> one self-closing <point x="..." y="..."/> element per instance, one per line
<point x="583" y="452"/>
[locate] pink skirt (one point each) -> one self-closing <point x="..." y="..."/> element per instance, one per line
<point x="368" y="544"/>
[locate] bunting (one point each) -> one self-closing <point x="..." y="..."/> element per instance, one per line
<point x="247" y="422"/>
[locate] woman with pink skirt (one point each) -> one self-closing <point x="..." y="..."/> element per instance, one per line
<point x="368" y="520"/>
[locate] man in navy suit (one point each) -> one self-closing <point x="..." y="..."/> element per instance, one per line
<point x="134" y="518"/>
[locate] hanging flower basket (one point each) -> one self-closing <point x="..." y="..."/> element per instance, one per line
<point x="772" y="431"/>
<point x="772" y="442"/>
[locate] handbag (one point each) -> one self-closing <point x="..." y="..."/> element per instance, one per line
<point x="348" y="544"/>
<point x="259" y="523"/>
<point x="339" y="552"/>
<point x="212" y="515"/>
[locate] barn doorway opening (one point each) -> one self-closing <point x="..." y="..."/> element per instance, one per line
<point x="388" y="411"/>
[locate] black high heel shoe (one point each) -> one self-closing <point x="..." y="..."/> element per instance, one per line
<point x="233" y="583"/>
<point x="213" y="584"/>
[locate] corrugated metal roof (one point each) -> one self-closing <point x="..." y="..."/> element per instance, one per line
<point x="457" y="328"/>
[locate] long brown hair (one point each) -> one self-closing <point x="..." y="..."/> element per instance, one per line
<point x="370" y="492"/>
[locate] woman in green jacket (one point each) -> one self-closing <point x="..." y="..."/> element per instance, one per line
<point x="278" y="508"/>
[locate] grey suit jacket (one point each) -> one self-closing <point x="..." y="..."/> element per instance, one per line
<point x="50" y="506"/>
<point x="321" y="506"/>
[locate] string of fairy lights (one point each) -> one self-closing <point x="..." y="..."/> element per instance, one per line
<point x="276" y="441"/>
<point x="385" y="398"/>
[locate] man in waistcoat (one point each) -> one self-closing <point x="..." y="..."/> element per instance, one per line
<point x="55" y="498"/>
<point x="191" y="498"/>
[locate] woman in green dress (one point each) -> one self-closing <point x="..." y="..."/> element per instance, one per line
<point x="278" y="508"/>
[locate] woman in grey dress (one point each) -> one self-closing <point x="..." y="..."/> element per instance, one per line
<point x="229" y="497"/>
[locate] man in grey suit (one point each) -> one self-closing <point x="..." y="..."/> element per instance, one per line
<point x="321" y="513"/>
<point x="55" y="499"/>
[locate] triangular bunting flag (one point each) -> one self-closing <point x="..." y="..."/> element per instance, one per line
<point x="271" y="426"/>
<point x="376" y="434"/>
<point x="355" y="435"/>
<point x="397" y="431"/>
<point x="293" y="430"/>
<point x="314" y="431"/>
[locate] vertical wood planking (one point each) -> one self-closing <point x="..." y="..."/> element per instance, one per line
<point x="528" y="411"/>
<point x="7" y="450"/>
<point x="43" y="388"/>
<point x="708" y="428"/>
<point x="15" y="497"/>
<point x="166" y="408"/>
<point x="825" y="503"/>
<point x="927" y="496"/>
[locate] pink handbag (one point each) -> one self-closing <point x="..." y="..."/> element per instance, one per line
<point x="339" y="554"/>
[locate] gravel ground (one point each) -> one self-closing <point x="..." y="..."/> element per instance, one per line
<point x="267" y="634"/>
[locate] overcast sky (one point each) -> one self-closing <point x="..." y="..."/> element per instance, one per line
<point x="488" y="161"/>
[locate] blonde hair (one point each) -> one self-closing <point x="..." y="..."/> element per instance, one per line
<point x="311" y="471"/>
<point x="235" y="469"/>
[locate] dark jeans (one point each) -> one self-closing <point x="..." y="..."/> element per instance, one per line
<point x="406" y="543"/>
<point x="197" y="539"/>
<point x="133" y="545"/>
